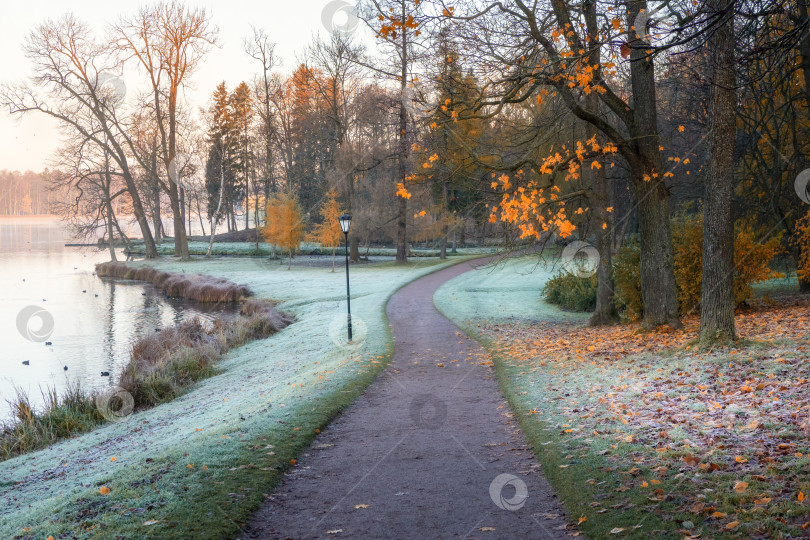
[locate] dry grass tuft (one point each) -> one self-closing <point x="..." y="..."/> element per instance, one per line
<point x="197" y="287"/>
<point x="165" y="364"/>
<point x="62" y="417"/>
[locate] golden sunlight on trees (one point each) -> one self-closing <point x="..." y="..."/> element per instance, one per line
<point x="328" y="231"/>
<point x="284" y="227"/>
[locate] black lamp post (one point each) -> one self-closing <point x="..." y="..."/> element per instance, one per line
<point x="345" y="221"/>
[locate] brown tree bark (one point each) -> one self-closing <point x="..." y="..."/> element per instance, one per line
<point x="402" y="203"/>
<point x="804" y="51"/>
<point x="605" y="310"/>
<point x="657" y="258"/>
<point x="717" y="290"/>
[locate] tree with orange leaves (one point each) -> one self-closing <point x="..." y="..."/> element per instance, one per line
<point x="328" y="232"/>
<point x="397" y="23"/>
<point x="284" y="227"/>
<point x="567" y="51"/>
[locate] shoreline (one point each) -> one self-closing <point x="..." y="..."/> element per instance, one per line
<point x="162" y="366"/>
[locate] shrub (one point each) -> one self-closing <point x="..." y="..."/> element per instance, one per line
<point x="626" y="272"/>
<point x="752" y="258"/>
<point x="570" y="291"/>
<point x="687" y="243"/>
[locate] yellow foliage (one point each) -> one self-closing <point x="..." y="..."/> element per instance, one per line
<point x="328" y="232"/>
<point x="752" y="258"/>
<point x="802" y="241"/>
<point x="284" y="225"/>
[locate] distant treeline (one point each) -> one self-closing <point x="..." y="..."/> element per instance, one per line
<point x="25" y="194"/>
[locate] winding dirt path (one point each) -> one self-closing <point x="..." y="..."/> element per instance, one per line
<point x="428" y="451"/>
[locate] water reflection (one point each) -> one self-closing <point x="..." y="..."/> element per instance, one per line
<point x="95" y="321"/>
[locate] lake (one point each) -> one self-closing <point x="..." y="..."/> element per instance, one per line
<point x="49" y="294"/>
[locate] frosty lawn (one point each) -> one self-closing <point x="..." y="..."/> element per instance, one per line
<point x="307" y="248"/>
<point x="640" y="434"/>
<point x="198" y="466"/>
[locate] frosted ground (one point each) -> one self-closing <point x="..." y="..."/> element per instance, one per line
<point x="510" y="289"/>
<point x="197" y="466"/>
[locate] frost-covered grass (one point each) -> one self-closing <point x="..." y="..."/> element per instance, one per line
<point x="509" y="289"/>
<point x="249" y="249"/>
<point x="198" y="466"/>
<point x="642" y="435"/>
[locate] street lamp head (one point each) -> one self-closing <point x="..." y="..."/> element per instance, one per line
<point x="345" y="221"/>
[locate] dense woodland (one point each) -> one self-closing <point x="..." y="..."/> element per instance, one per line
<point x="612" y="123"/>
<point x="25" y="194"/>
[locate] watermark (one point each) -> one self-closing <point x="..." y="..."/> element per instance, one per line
<point x="340" y="16"/>
<point x="801" y="184"/>
<point x="580" y="258"/>
<point x="180" y="167"/>
<point x="415" y="101"/>
<point x="115" y="404"/>
<point x="656" y="12"/>
<point x="112" y="87"/>
<point x="428" y="411"/>
<point x="517" y="500"/>
<point x="339" y="331"/>
<point x="31" y="331"/>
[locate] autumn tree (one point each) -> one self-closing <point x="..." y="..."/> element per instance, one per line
<point x="328" y="231"/>
<point x="261" y="48"/>
<point x="447" y="155"/>
<point x="241" y="104"/>
<point x="70" y="84"/>
<point x="284" y="227"/>
<point x="168" y="40"/>
<point x="396" y="24"/>
<point x="336" y="59"/>
<point x="569" y="52"/>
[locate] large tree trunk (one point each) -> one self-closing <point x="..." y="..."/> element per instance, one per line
<point x="180" y="241"/>
<point x="354" y="249"/>
<point x="717" y="290"/>
<point x="140" y="215"/>
<point x="657" y="259"/>
<point x="108" y="207"/>
<point x="402" y="205"/>
<point x="804" y="52"/>
<point x="443" y="241"/>
<point x="658" y="292"/>
<point x="605" y="311"/>
<point x="156" y="220"/>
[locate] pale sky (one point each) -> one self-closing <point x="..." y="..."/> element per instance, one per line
<point x="27" y="144"/>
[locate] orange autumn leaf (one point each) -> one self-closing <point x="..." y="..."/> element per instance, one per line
<point x="740" y="486"/>
<point x="104" y="490"/>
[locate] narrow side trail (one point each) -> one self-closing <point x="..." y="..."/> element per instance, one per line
<point x="428" y="451"/>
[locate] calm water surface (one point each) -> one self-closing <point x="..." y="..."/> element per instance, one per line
<point x="95" y="321"/>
